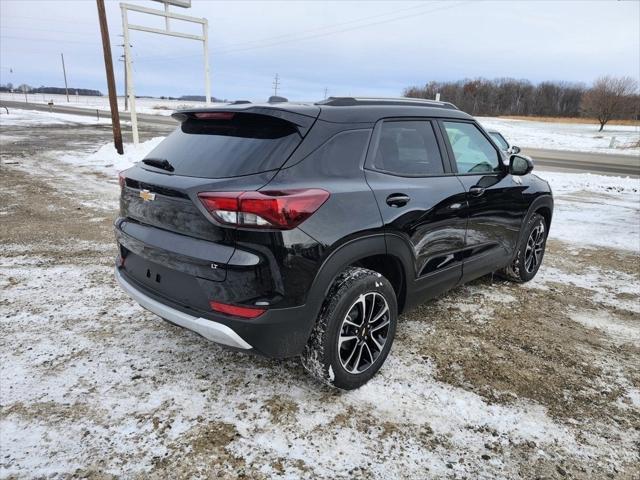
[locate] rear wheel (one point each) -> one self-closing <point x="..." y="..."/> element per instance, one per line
<point x="530" y="252"/>
<point x="355" y="330"/>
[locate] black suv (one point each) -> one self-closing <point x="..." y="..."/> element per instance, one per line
<point x="306" y="229"/>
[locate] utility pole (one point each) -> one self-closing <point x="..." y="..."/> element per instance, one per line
<point x="111" y="82"/>
<point x="64" y="71"/>
<point x="276" y="84"/>
<point x="326" y="91"/>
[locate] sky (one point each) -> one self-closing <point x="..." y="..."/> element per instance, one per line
<point x="374" y="48"/>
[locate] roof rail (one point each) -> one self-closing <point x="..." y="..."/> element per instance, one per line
<point x="239" y="102"/>
<point x="356" y="101"/>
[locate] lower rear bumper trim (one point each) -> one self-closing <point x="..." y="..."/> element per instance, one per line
<point x="216" y="332"/>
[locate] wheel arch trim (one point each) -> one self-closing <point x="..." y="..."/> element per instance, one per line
<point x="347" y="254"/>
<point x="543" y="201"/>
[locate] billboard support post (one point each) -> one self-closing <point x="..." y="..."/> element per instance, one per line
<point x="126" y="26"/>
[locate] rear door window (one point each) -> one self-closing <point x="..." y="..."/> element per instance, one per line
<point x="408" y="148"/>
<point x="233" y="145"/>
<point x="473" y="152"/>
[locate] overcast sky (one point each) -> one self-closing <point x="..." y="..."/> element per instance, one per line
<point x="349" y="48"/>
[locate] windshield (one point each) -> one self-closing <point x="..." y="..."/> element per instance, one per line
<point x="233" y="145"/>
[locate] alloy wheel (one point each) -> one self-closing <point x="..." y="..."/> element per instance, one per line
<point x="535" y="248"/>
<point x="364" y="332"/>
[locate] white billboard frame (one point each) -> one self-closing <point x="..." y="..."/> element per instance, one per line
<point x="126" y="26"/>
<point x="177" y="3"/>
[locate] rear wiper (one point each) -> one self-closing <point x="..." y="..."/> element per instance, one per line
<point x="162" y="163"/>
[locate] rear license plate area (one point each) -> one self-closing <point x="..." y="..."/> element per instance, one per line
<point x="172" y="284"/>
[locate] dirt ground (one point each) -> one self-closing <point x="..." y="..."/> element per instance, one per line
<point x="492" y="380"/>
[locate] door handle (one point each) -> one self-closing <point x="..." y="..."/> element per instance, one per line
<point x="476" y="191"/>
<point x="398" y="200"/>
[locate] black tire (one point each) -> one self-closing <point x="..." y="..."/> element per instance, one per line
<point x="354" y="289"/>
<point x="534" y="242"/>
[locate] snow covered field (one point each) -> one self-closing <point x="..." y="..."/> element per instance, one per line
<point x="152" y="106"/>
<point x="17" y="117"/>
<point x="524" y="133"/>
<point x="492" y="380"/>
<point x="576" y="137"/>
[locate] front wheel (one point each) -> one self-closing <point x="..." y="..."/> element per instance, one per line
<point x="354" y="331"/>
<point x="527" y="261"/>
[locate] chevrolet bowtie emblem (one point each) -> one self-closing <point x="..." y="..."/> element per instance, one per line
<point x="147" y="196"/>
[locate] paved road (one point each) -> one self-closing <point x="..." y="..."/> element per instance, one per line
<point x="608" y="164"/>
<point x="602" y="163"/>
<point x="157" y="119"/>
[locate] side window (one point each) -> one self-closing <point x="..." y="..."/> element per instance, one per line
<point x="408" y="148"/>
<point x="341" y="153"/>
<point x="471" y="149"/>
<point x="499" y="139"/>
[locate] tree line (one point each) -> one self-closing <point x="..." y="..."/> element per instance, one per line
<point x="607" y="98"/>
<point x="24" y="88"/>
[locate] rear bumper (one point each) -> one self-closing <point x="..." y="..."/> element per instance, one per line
<point x="278" y="333"/>
<point x="216" y="332"/>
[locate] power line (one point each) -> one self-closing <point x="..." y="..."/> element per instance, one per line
<point x="349" y="22"/>
<point x="313" y="36"/>
<point x="309" y="37"/>
<point x="293" y="35"/>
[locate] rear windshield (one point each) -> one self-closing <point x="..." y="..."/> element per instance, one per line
<point x="238" y="144"/>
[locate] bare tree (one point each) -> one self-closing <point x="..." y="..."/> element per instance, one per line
<point x="610" y="97"/>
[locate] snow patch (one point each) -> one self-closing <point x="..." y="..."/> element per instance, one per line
<point x="595" y="210"/>
<point x="107" y="160"/>
<point x="617" y="329"/>
<point x="576" y="137"/>
<point x="18" y="117"/>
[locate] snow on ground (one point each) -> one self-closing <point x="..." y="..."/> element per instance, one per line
<point x="152" y="106"/>
<point x="117" y="390"/>
<point x="17" y="117"/>
<point x="577" y="137"/>
<point x="589" y="207"/>
<point x="462" y="417"/>
<point x="107" y="160"/>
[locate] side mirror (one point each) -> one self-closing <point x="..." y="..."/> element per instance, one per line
<point x="513" y="150"/>
<point x="520" y="165"/>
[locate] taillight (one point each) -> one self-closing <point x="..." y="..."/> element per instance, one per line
<point x="122" y="180"/>
<point x="281" y="209"/>
<point x="236" y="310"/>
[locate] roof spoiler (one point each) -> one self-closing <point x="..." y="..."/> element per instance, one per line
<point x="303" y="122"/>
